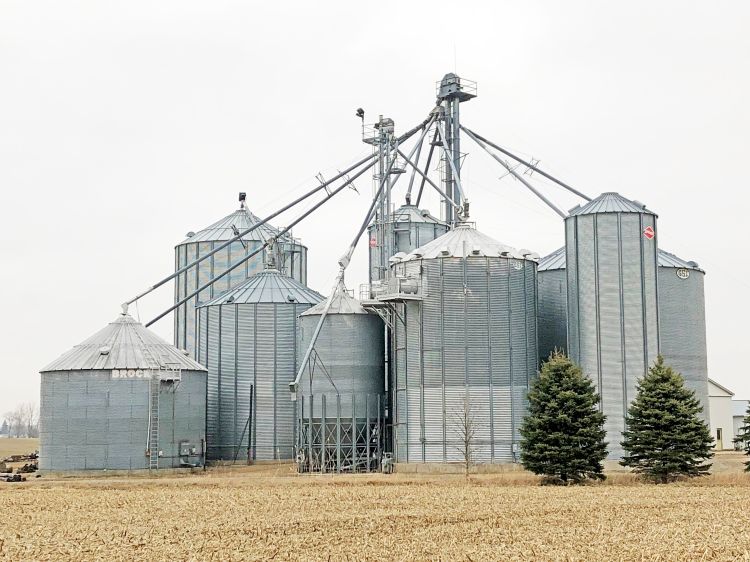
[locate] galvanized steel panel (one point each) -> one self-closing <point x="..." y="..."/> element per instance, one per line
<point x="612" y="304"/>
<point x="478" y="328"/>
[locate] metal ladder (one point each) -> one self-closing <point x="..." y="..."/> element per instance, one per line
<point x="153" y="421"/>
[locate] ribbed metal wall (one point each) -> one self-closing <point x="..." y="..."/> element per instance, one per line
<point x="294" y="264"/>
<point x="91" y="421"/>
<point x="474" y="335"/>
<point x="409" y="228"/>
<point x="682" y="327"/>
<point x="613" y="323"/>
<point x="350" y="351"/>
<point x="553" y="312"/>
<point x="248" y="347"/>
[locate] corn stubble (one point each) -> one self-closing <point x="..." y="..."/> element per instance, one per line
<point x="250" y="516"/>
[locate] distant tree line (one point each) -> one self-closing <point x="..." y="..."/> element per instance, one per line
<point x="22" y="421"/>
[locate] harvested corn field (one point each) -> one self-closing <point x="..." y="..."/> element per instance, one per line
<point x="241" y="515"/>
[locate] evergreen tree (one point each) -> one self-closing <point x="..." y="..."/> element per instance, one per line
<point x="562" y="437"/>
<point x="743" y="437"/>
<point x="665" y="438"/>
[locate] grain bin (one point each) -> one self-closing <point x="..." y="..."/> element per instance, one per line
<point x="248" y="342"/>
<point x="408" y="228"/>
<point x="613" y="321"/>
<point x="293" y="262"/>
<point x="682" y="316"/>
<point x="340" y="405"/>
<point x="553" y="304"/>
<point x="682" y="322"/>
<point x="123" y="399"/>
<point x="465" y="339"/>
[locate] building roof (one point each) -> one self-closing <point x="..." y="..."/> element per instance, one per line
<point x="739" y="407"/>
<point x="241" y="219"/>
<point x="667" y="259"/>
<point x="720" y="387"/>
<point x="412" y="213"/>
<point x="123" y="344"/>
<point x="269" y="286"/>
<point x="342" y="303"/>
<point x="465" y="240"/>
<point x="609" y="202"/>
<point x="556" y="260"/>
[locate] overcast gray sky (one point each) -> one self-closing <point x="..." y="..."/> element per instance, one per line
<point x="123" y="125"/>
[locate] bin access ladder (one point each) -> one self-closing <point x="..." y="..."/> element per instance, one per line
<point x="153" y="420"/>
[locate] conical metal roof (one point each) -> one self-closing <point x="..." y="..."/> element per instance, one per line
<point x="465" y="240"/>
<point x="123" y="344"/>
<point x="342" y="303"/>
<point x="412" y="213"/>
<point x="610" y="202"/>
<point x="269" y="286"/>
<point x="556" y="260"/>
<point x="667" y="259"/>
<point x="241" y="219"/>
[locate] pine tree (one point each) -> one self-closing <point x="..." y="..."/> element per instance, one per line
<point x="665" y="438"/>
<point x="743" y="437"/>
<point x="562" y="437"/>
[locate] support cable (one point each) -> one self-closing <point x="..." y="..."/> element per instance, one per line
<point x="261" y="248"/>
<point x="339" y="284"/>
<point x="414" y="149"/>
<point x="414" y="172"/>
<point x="432" y="183"/>
<point x="527" y="164"/>
<point x="516" y="175"/>
<point x="247" y="231"/>
<point x="449" y="158"/>
<point x="427" y="167"/>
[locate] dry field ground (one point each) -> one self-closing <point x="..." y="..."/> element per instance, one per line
<point x="17" y="447"/>
<point x="262" y="513"/>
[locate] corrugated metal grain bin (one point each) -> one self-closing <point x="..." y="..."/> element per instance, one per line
<point x="682" y="322"/>
<point x="293" y="263"/>
<point x="124" y="399"/>
<point x="553" y="304"/>
<point x="467" y="335"/>
<point x="248" y="343"/>
<point x="682" y="316"/>
<point x="409" y="228"/>
<point x="613" y="322"/>
<point x="341" y="391"/>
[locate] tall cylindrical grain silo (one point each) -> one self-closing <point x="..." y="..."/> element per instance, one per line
<point x="682" y="322"/>
<point x="293" y="262"/>
<point x="341" y="399"/>
<point x="553" y="304"/>
<point x="613" y="320"/>
<point x="465" y="344"/>
<point x="248" y="342"/>
<point x="682" y="316"/>
<point x="408" y="228"/>
<point x="124" y="399"/>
